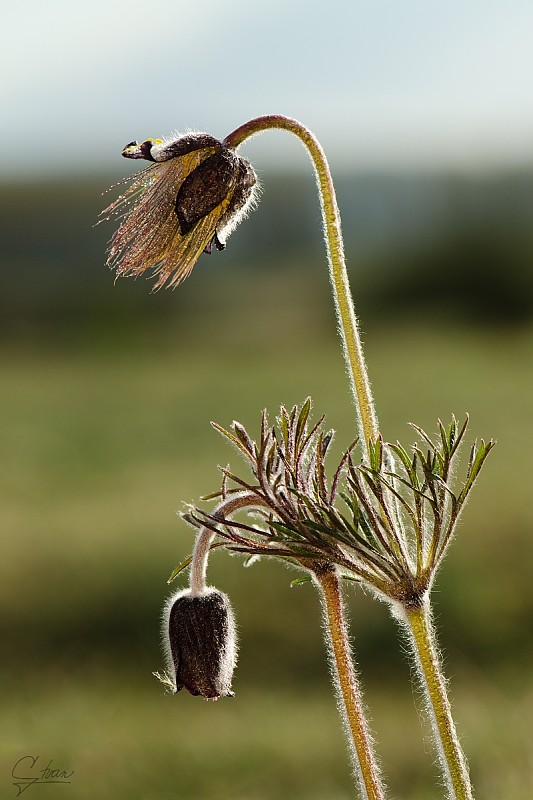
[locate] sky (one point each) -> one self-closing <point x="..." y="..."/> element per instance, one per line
<point x="384" y="84"/>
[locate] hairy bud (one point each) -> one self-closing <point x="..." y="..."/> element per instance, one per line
<point x="200" y="640"/>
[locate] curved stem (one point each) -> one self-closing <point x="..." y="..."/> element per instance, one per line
<point x="353" y="350"/>
<point x="205" y="536"/>
<point x="348" y="690"/>
<point x="453" y="762"/>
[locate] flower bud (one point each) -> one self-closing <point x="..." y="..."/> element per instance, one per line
<point x="200" y="640"/>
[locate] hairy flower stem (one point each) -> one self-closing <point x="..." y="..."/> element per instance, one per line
<point x="204" y="539"/>
<point x="349" y="693"/>
<point x="352" y="347"/>
<point x="422" y="638"/>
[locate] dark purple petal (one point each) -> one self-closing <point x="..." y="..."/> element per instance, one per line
<point x="205" y="188"/>
<point x="202" y="643"/>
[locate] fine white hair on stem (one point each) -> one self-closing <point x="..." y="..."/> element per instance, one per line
<point x="347" y="688"/>
<point x="202" y="545"/>
<point x="417" y="624"/>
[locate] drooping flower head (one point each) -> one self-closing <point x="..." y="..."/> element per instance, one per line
<point x="199" y="636"/>
<point x="188" y="200"/>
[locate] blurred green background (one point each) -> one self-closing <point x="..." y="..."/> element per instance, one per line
<point x="107" y="390"/>
<point x="107" y="393"/>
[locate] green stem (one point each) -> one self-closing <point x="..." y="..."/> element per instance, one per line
<point x="349" y="693"/>
<point x="453" y="762"/>
<point x="352" y="347"/>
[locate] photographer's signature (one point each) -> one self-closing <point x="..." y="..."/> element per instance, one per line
<point x="26" y="772"/>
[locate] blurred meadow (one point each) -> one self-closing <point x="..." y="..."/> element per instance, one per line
<point x="107" y="390"/>
<point x="107" y="393"/>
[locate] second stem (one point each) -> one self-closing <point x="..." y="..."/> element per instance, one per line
<point x="350" y="698"/>
<point x="422" y="639"/>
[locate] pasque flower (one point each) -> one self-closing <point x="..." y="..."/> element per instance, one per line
<point x="186" y="202"/>
<point x="200" y="643"/>
<point x="386" y="522"/>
